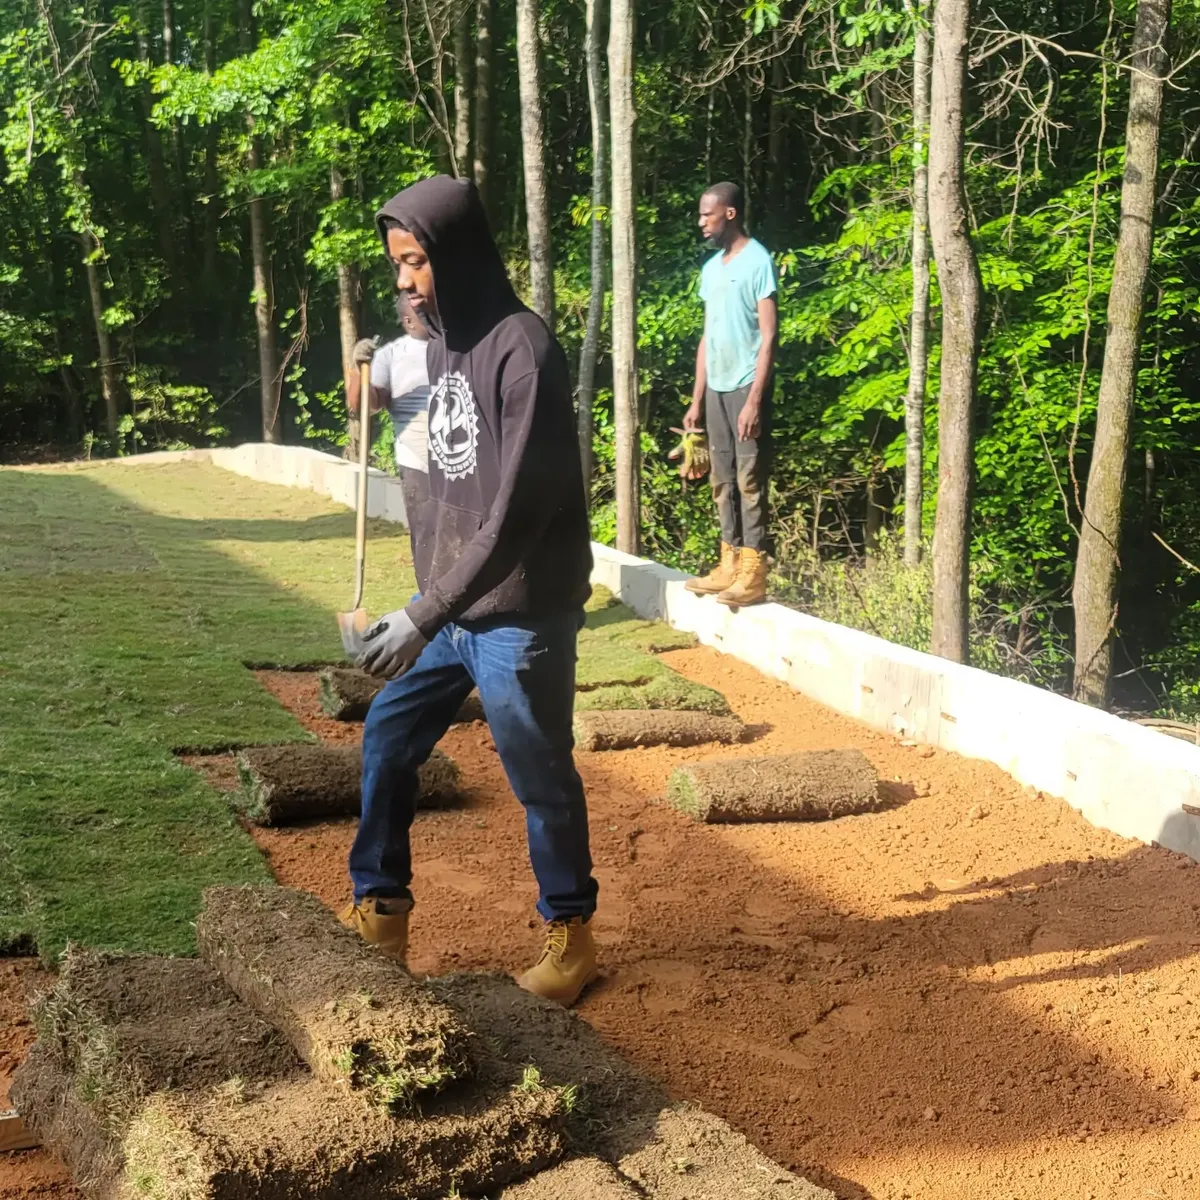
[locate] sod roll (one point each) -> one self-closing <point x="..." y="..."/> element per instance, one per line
<point x="625" y="729"/>
<point x="282" y="785"/>
<point x="353" y="1015"/>
<point x="139" y="1103"/>
<point x="346" y="693"/>
<point x="814" y="785"/>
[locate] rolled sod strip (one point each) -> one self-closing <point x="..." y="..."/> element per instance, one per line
<point x="282" y="785"/>
<point x="813" y="785"/>
<point x="351" y="1014"/>
<point x="346" y="693"/>
<point x="623" y="730"/>
<point x="138" y="1103"/>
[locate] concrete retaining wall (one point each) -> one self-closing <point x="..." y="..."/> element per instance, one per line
<point x="1121" y="776"/>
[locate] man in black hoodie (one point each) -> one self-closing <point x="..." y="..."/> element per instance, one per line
<point x="503" y="559"/>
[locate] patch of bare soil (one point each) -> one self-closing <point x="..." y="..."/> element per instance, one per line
<point x="974" y="996"/>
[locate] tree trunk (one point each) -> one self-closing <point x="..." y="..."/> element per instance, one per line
<point x="1097" y="567"/>
<point x="110" y="375"/>
<point x="958" y="278"/>
<point x="347" y="281"/>
<point x="533" y="154"/>
<point x="748" y="148"/>
<point x="156" y="170"/>
<point x="212" y="183"/>
<point x="269" y="380"/>
<point x="624" y="275"/>
<point x="590" y="350"/>
<point x="777" y="148"/>
<point x="483" y="95"/>
<point x="462" y="90"/>
<point x="918" y="362"/>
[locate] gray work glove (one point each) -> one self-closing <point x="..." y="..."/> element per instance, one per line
<point x="393" y="644"/>
<point x="364" y="350"/>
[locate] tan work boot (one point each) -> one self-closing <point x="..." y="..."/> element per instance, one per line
<point x="567" y="965"/>
<point x="751" y="584"/>
<point x="387" y="931"/>
<point x="722" y="576"/>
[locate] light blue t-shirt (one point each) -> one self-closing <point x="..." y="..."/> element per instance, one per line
<point x="731" y="292"/>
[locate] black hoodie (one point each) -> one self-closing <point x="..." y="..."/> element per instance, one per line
<point x="506" y="531"/>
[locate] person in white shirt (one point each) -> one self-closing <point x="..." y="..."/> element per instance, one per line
<point x="400" y="383"/>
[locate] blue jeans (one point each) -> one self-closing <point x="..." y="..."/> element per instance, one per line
<point x="525" y="673"/>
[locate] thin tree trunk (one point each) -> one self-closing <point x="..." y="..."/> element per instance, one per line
<point x="533" y="155"/>
<point x="624" y="275"/>
<point x="958" y="279"/>
<point x="590" y="351"/>
<point x="748" y="148"/>
<point x="347" y="282"/>
<point x="110" y="375"/>
<point x="160" y="191"/>
<point x="777" y="147"/>
<point x="918" y="363"/>
<point x="1097" y="567"/>
<point x="483" y="95"/>
<point x="212" y="183"/>
<point x="708" y="138"/>
<point x="462" y="90"/>
<point x="269" y="381"/>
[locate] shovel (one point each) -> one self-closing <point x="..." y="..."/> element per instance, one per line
<point x="354" y="623"/>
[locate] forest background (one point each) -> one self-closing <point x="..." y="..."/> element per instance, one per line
<point x="187" y="256"/>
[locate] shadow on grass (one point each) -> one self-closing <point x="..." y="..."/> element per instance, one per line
<point x="130" y="600"/>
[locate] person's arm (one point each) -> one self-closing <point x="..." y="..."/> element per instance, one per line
<point x="537" y="445"/>
<point x="750" y="418"/>
<point x="694" y="417"/>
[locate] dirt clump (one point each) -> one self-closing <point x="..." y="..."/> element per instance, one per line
<point x="135" y="1112"/>
<point x="625" y="730"/>
<point x="352" y="1015"/>
<point x="814" y="785"/>
<point x="284" y="785"/>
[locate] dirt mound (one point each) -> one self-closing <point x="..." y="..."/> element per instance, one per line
<point x="353" y="1015"/>
<point x="625" y="730"/>
<point x="283" y="785"/>
<point x="576" y="1179"/>
<point x="814" y="785"/>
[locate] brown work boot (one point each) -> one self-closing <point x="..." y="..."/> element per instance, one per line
<point x="751" y="584"/>
<point x="722" y="576"/>
<point x="383" y="923"/>
<point x="567" y="965"/>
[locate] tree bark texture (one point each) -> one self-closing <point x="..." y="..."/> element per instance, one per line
<point x="747" y="147"/>
<point x="110" y="375"/>
<point x="533" y="155"/>
<point x="462" y="89"/>
<point x="958" y="279"/>
<point x="918" y="362"/>
<point x="590" y="350"/>
<point x="1097" y="567"/>
<point x="483" y="95"/>
<point x="623" y="120"/>
<point x="347" y="281"/>
<point x="269" y="381"/>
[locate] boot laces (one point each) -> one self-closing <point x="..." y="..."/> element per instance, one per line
<point x="558" y="937"/>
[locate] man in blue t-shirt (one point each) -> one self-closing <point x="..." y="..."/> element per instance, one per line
<point x="732" y="396"/>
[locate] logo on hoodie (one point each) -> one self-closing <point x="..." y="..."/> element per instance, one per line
<point x="453" y="426"/>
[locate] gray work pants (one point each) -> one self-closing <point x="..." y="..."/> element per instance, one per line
<point x="739" y="470"/>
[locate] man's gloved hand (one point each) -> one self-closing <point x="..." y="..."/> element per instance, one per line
<point x="364" y="350"/>
<point x="393" y="644"/>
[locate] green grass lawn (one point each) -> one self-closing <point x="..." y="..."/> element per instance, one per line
<point x="131" y="598"/>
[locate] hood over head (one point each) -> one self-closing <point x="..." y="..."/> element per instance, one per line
<point x="473" y="290"/>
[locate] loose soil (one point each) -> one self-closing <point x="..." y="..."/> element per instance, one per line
<point x="973" y="996"/>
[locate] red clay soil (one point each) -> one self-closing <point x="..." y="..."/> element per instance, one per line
<point x="972" y="996"/>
